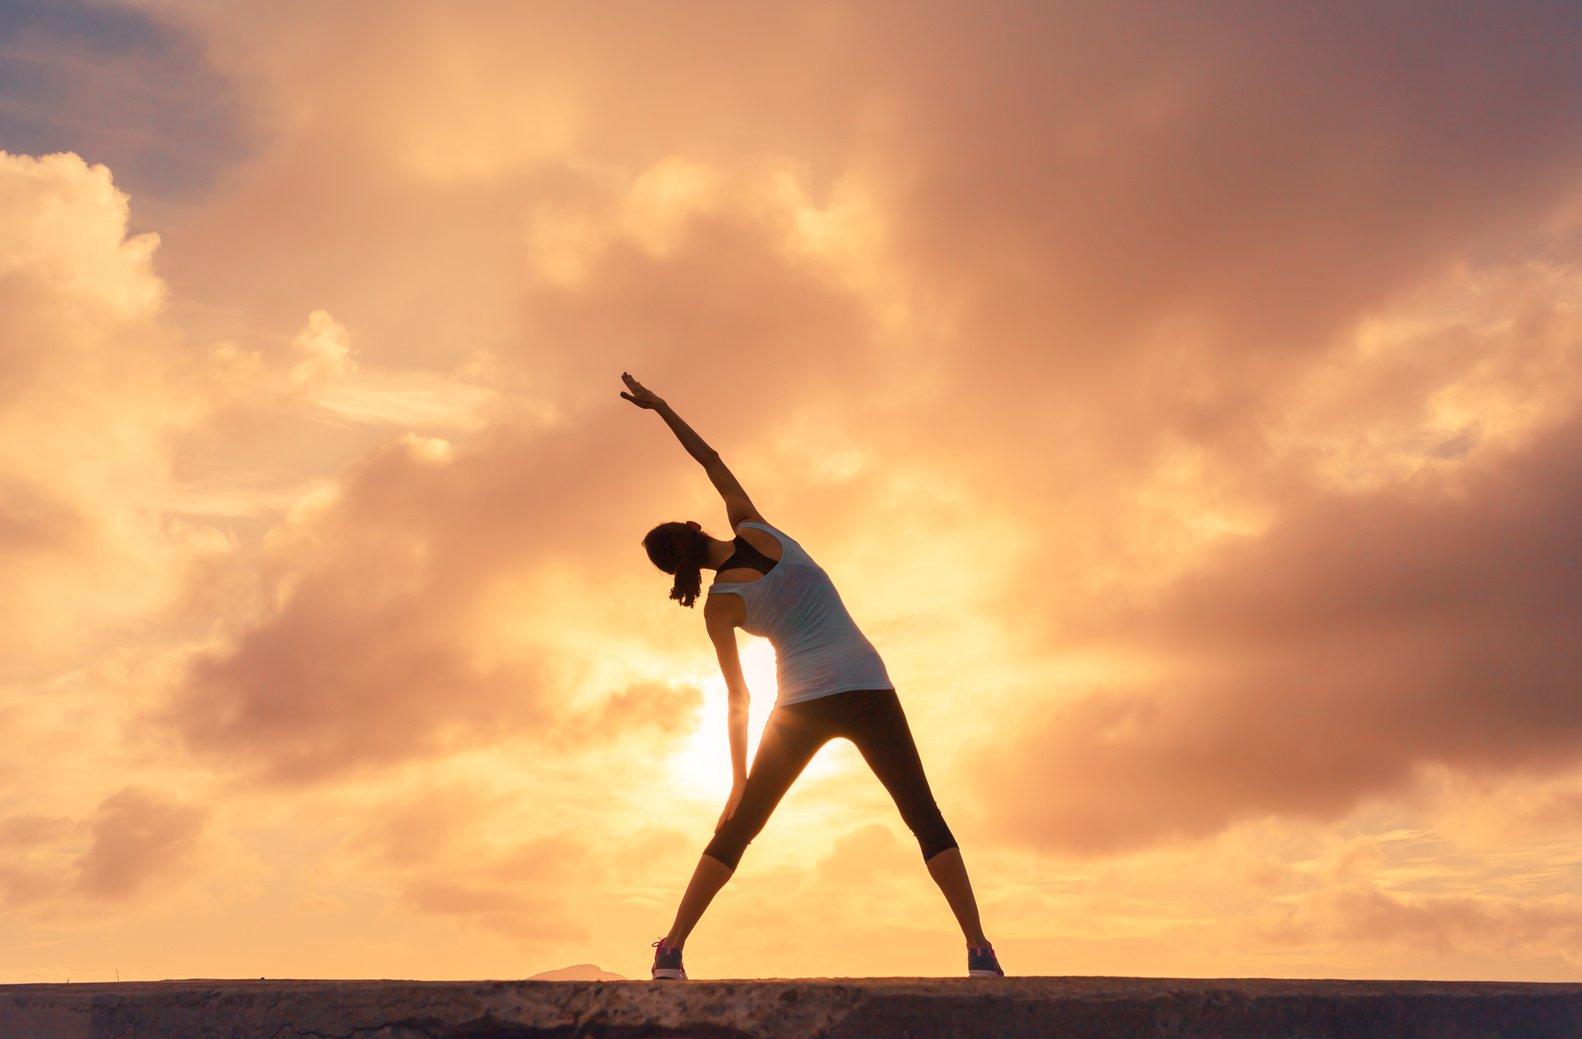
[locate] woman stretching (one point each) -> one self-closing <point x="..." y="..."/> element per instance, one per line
<point x="832" y="683"/>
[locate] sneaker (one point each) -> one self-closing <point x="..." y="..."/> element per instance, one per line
<point x="667" y="962"/>
<point x="981" y="963"/>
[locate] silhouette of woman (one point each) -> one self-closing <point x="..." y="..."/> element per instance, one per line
<point x="832" y="683"/>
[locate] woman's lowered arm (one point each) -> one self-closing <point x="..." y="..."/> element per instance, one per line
<point x="722" y="632"/>
<point x="717" y="614"/>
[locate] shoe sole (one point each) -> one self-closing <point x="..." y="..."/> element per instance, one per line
<point x="984" y="974"/>
<point x="669" y="974"/>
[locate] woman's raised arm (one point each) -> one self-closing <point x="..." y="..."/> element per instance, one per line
<point x="738" y="506"/>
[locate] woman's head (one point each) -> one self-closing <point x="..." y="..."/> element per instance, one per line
<point x="680" y="549"/>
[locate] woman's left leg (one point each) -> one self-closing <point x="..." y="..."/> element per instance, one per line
<point x="707" y="878"/>
<point x="878" y="727"/>
<point x="790" y="739"/>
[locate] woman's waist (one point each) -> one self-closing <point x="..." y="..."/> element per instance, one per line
<point x="829" y="699"/>
<point x="848" y="647"/>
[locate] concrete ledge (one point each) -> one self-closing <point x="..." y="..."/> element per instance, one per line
<point x="838" y="1008"/>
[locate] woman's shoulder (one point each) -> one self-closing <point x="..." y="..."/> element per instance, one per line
<point x="756" y="530"/>
<point x="756" y="521"/>
<point x="764" y="536"/>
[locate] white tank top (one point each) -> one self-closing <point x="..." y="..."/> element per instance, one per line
<point x="818" y="647"/>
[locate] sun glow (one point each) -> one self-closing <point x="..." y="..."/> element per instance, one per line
<point x="702" y="765"/>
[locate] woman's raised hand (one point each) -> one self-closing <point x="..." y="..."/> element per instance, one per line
<point x="640" y="396"/>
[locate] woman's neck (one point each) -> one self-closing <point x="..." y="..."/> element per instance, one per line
<point x="719" y="552"/>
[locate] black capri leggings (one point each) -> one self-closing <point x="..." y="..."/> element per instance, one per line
<point x="873" y="720"/>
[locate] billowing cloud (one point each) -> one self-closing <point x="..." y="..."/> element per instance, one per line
<point x="87" y="401"/>
<point x="1363" y="637"/>
<point x="410" y="611"/>
<point x="138" y="838"/>
<point x="135" y="840"/>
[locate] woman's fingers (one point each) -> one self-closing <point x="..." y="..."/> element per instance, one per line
<point x="631" y="384"/>
<point x="640" y="394"/>
<point x="733" y="803"/>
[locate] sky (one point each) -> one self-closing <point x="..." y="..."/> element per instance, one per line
<point x="1185" y="399"/>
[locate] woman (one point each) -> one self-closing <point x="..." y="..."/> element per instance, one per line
<point x="832" y="683"/>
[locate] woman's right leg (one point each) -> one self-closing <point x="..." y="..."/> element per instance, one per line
<point x="877" y="724"/>
<point x="789" y="741"/>
<point x="950" y="873"/>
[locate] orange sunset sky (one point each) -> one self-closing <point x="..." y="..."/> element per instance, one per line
<point x="1185" y="398"/>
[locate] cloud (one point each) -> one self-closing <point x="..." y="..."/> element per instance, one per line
<point x="649" y="709"/>
<point x="68" y="246"/>
<point x="423" y="605"/>
<point x="1363" y="637"/>
<point x="88" y="396"/>
<point x="138" y="837"/>
<point x="103" y="400"/>
<point x="423" y="827"/>
<point x="1365" y="916"/>
<point x="840" y="884"/>
<point x="454" y="853"/>
<point x="35" y="862"/>
<point x="1095" y="172"/>
<point x="366" y="654"/>
<point x="325" y="350"/>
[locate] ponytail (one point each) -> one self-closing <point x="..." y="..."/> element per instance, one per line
<point x="689" y="582"/>
<point x="680" y="549"/>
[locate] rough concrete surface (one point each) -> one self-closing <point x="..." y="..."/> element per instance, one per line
<point x="836" y="1008"/>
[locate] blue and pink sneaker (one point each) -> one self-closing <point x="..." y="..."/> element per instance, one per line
<point x="667" y="962"/>
<point x="981" y="963"/>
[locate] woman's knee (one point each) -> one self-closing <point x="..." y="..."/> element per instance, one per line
<point x="730" y="842"/>
<point x="933" y="835"/>
<point x="936" y="844"/>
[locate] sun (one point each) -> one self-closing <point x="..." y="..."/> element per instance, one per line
<point x="702" y="764"/>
